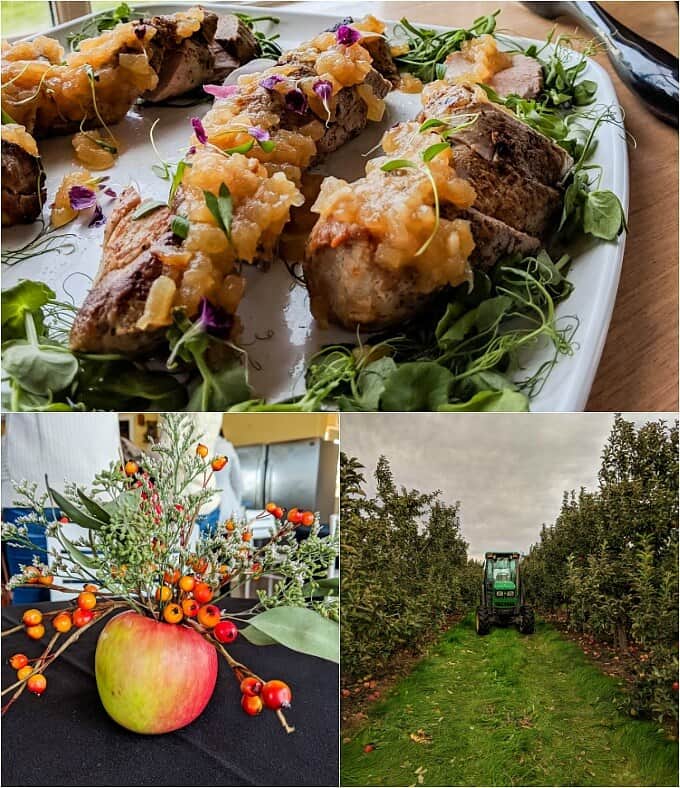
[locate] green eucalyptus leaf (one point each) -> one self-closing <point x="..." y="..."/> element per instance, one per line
<point x="77" y="556"/>
<point x="300" y="629"/>
<point x="74" y="514"/>
<point x="95" y="509"/>
<point x="256" y="637"/>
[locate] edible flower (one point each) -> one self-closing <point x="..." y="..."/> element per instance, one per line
<point x="270" y="82"/>
<point x="214" y="320"/>
<point x="259" y="134"/>
<point x="201" y="136"/>
<point x="324" y="90"/>
<point x="347" y="35"/>
<point x="296" y="101"/>
<point x="221" y="91"/>
<point x="81" y="197"/>
<point x="98" y="217"/>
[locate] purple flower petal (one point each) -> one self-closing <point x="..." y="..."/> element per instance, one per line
<point x="296" y="101"/>
<point x="98" y="217"/>
<point x="269" y="83"/>
<point x="214" y="320"/>
<point x="347" y="35"/>
<point x="110" y="192"/>
<point x="259" y="134"/>
<point x="81" y="197"/>
<point x="201" y="136"/>
<point x="323" y="89"/>
<point x="191" y="150"/>
<point x="221" y="91"/>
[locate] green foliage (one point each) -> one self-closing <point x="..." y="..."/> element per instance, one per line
<point x="611" y="559"/>
<point x="404" y="566"/>
<point x="506" y="710"/>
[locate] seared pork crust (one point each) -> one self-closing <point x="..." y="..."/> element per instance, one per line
<point x="107" y="320"/>
<point x="23" y="185"/>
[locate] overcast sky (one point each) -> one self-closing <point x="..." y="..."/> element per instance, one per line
<point x="507" y="470"/>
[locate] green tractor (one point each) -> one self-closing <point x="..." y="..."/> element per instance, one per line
<point x="502" y="601"/>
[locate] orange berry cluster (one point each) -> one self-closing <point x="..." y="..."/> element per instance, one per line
<point x="34" y="576"/>
<point x="63" y="621"/>
<point x="295" y="516"/>
<point x="255" y="695"/>
<point x="217" y="463"/>
<point x="185" y="596"/>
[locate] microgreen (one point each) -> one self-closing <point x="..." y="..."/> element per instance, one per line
<point x="180" y="226"/>
<point x="101" y="22"/>
<point x="428" y="49"/>
<point x="221" y="207"/>
<point x="147" y="207"/>
<point x="267" y="43"/>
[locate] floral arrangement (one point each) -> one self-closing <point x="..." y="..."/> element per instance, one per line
<point x="139" y="556"/>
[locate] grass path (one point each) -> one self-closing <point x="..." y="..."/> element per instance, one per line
<point x="505" y="710"/>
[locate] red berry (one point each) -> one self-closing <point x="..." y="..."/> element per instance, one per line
<point x="82" y="617"/>
<point x="276" y="694"/>
<point x="307" y="518"/>
<point x="278" y="512"/>
<point x="37" y="683"/>
<point x="271" y="508"/>
<point x="251" y="686"/>
<point x="226" y="632"/>
<point x="369" y="747"/>
<point x="18" y="661"/>
<point x="64" y="520"/>
<point x="202" y="593"/>
<point x="346" y="693"/>
<point x="251" y="704"/>
<point x="675" y="685"/>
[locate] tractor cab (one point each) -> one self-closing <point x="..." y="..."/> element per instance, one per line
<point x="502" y="599"/>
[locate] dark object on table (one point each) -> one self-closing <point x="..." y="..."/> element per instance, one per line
<point x="222" y="747"/>
<point x="649" y="71"/>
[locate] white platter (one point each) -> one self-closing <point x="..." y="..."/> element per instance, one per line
<point x="274" y="306"/>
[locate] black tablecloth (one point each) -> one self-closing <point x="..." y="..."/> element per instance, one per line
<point x="65" y="737"/>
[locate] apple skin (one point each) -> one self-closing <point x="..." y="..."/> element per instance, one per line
<point x="153" y="677"/>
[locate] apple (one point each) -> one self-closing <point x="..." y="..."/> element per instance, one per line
<point x="153" y="677"/>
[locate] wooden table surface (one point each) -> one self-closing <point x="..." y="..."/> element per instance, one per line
<point x="639" y="366"/>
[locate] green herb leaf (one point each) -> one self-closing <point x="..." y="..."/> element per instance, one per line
<point x="490" y="401"/>
<point x="25" y="297"/>
<point x="300" y="629"/>
<point x="39" y="368"/>
<point x="147" y="207"/>
<point x="177" y="178"/>
<point x="429" y="153"/>
<point x="180" y="226"/>
<point x="267" y="145"/>
<point x="7" y="118"/>
<point x="603" y="215"/>
<point x="397" y="164"/>
<point x="244" y="148"/>
<point x="221" y="208"/>
<point x="431" y="124"/>
<point x="416" y="386"/>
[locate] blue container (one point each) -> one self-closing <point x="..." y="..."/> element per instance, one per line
<point x="24" y="555"/>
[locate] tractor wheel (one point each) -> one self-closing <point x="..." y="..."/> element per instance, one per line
<point x="482" y="621"/>
<point x="526" y="621"/>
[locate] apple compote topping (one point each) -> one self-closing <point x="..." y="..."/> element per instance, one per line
<point x="398" y="210"/>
